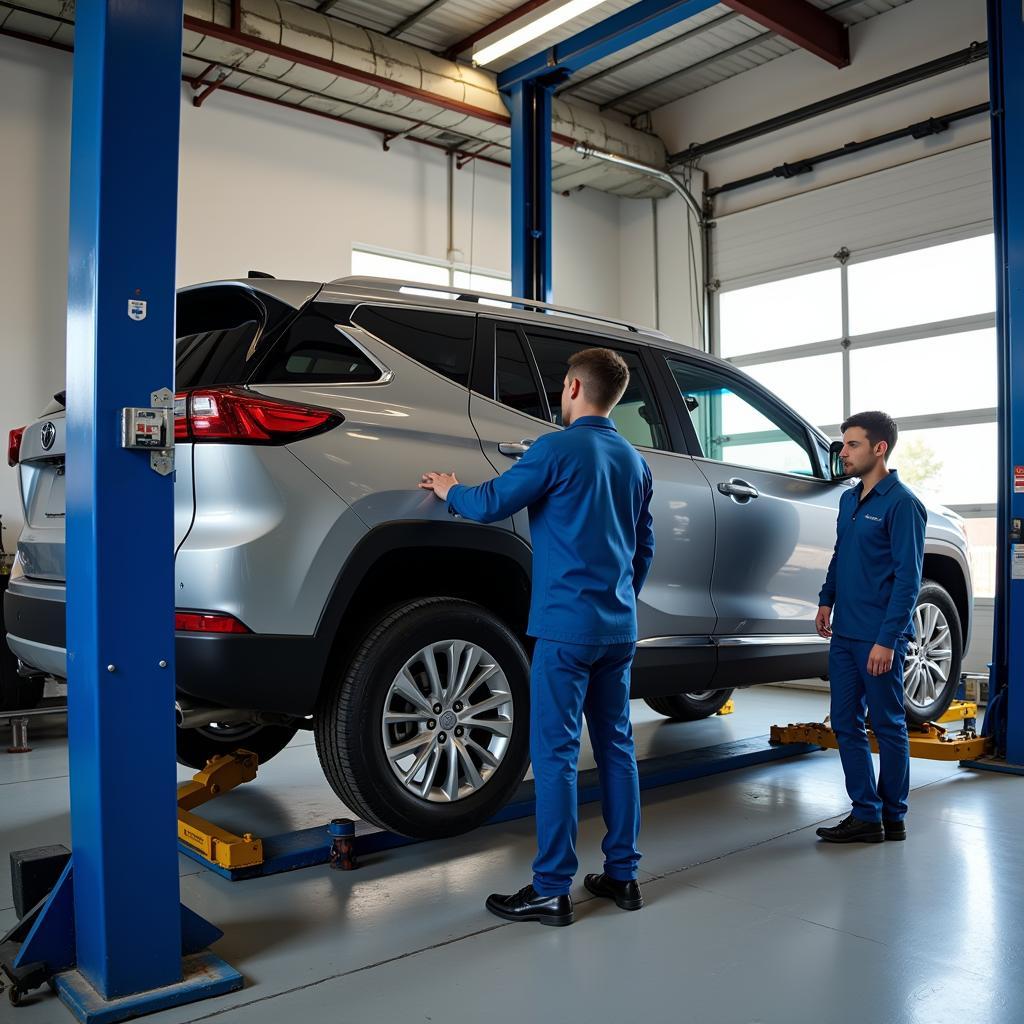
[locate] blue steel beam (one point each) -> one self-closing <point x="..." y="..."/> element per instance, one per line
<point x="120" y="586"/>
<point x="1006" y="44"/>
<point x="530" y="105"/>
<point x="615" y="33"/>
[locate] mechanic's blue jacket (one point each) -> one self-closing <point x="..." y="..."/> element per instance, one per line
<point x="588" y="492"/>
<point x="875" y="573"/>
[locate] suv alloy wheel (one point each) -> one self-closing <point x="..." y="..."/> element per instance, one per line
<point x="427" y="732"/>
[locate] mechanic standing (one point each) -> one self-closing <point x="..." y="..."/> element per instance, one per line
<point x="588" y="492"/>
<point x="866" y="606"/>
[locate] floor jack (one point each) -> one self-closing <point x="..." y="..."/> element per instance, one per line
<point x="930" y="741"/>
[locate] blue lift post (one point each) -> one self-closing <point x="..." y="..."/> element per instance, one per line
<point x="527" y="88"/>
<point x="115" y="916"/>
<point x="1005" y="718"/>
<point x="530" y="106"/>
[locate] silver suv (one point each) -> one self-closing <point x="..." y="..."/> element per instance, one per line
<point x="317" y="587"/>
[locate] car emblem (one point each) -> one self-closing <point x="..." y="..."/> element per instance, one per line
<point x="48" y="435"/>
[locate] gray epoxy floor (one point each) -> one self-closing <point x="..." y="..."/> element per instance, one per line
<point x="748" y="920"/>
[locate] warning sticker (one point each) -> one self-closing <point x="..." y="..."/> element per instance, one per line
<point x="1017" y="561"/>
<point x="1018" y="479"/>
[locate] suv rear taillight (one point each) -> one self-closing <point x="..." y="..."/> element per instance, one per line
<point x="14" y="445"/>
<point x="208" y="622"/>
<point x="236" y="416"/>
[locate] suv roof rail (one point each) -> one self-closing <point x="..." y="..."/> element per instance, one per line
<point x="387" y="284"/>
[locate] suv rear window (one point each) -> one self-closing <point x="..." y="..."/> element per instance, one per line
<point x="222" y="332"/>
<point x="443" y="341"/>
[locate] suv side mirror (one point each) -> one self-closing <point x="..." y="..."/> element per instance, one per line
<point x="835" y="464"/>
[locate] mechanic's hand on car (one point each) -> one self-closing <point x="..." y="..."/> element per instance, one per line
<point x="880" y="660"/>
<point x="823" y="620"/>
<point x="439" y="483"/>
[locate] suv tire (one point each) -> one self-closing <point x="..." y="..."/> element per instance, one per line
<point x="197" y="746"/>
<point x="689" y="707"/>
<point x="353" y="738"/>
<point x="941" y="656"/>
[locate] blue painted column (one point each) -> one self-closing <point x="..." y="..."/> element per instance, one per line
<point x="120" y="584"/>
<point x="530" y="106"/>
<point x="1006" y="45"/>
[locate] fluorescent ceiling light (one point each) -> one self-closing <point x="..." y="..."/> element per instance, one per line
<point x="545" y="23"/>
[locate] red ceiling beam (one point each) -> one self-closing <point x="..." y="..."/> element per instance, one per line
<point x="482" y="33"/>
<point x="802" y="23"/>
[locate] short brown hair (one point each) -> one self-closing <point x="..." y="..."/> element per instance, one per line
<point x="603" y="374"/>
<point x="879" y="426"/>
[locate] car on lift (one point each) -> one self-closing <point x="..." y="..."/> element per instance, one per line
<point x="317" y="587"/>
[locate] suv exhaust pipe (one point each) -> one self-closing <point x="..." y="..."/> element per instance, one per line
<point x="198" y="716"/>
<point x="195" y="716"/>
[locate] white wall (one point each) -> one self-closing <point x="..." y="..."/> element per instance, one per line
<point x="260" y="188"/>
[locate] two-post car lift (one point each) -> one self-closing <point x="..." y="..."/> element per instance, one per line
<point x="113" y="926"/>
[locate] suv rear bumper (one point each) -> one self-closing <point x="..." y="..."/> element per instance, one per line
<point x="35" y="625"/>
<point x="265" y="672"/>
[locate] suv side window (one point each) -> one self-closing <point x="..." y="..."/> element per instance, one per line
<point x="442" y="341"/>
<point x="636" y="417"/>
<point x="515" y="384"/>
<point x="316" y="350"/>
<point x="735" y="424"/>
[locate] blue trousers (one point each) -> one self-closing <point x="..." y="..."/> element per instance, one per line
<point x="854" y="692"/>
<point x="568" y="681"/>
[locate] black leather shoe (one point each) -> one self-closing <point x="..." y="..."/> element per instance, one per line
<point x="895" y="831"/>
<point x="627" y="895"/>
<point x="853" y="830"/>
<point x="527" y="905"/>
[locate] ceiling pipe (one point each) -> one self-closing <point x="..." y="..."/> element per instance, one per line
<point x="651" y="172"/>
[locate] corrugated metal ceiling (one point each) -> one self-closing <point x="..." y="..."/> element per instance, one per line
<point x="697" y="53"/>
<point x="685" y="59"/>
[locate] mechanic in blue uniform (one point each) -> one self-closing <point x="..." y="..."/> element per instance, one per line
<point x="866" y="606"/>
<point x="588" y="492"/>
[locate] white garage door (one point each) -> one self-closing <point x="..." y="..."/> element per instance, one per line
<point x="946" y="192"/>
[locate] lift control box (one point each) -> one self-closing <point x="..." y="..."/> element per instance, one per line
<point x="152" y="430"/>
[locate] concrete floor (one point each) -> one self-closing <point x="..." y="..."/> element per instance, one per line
<point x="748" y="920"/>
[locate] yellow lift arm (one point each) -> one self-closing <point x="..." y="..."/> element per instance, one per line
<point x="216" y="844"/>
<point x="929" y="741"/>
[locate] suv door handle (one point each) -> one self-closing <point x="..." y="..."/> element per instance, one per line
<point x="739" y="489"/>
<point x="515" y="449"/>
